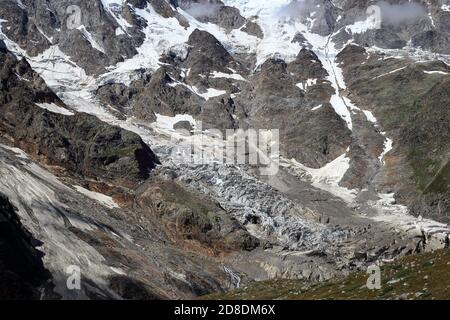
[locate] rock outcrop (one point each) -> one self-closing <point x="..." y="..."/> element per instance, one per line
<point x="80" y="142"/>
<point x="22" y="273"/>
<point x="408" y="103"/>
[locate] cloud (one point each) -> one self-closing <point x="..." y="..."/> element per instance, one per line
<point x="202" y="10"/>
<point x="399" y="13"/>
<point x="390" y="13"/>
<point x="294" y="9"/>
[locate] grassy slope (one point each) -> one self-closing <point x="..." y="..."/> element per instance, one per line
<point x="412" y="107"/>
<point x="424" y="277"/>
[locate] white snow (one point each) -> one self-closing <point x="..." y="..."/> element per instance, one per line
<point x="437" y="72"/>
<point x="388" y="143"/>
<point x="109" y="6"/>
<point x="50" y="39"/>
<point x="326" y="51"/>
<point x="389" y="211"/>
<point x="210" y="93"/>
<point x="165" y="122"/>
<point x="369" y="115"/>
<point x="445" y="7"/>
<point x="390" y="72"/>
<point x="430" y="16"/>
<point x="90" y="38"/>
<point x="99" y="197"/>
<point x="55" y="109"/>
<point x="164" y="34"/>
<point x="19" y="152"/>
<point x="55" y="67"/>
<point x="309" y="83"/>
<point x="388" y="146"/>
<point x="118" y="271"/>
<point x="119" y="31"/>
<point x="411" y="53"/>
<point x="328" y="177"/>
<point x="317" y="108"/>
<point x="341" y="109"/>
<point x="161" y="35"/>
<point x="301" y="86"/>
<point x="20" y="4"/>
<point x="83" y="101"/>
<point x="278" y="35"/>
<point x="362" y="26"/>
<point x="233" y="76"/>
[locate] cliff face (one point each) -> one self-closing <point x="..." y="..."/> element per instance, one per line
<point x="78" y="142"/>
<point x="22" y="273"/>
<point x="410" y="104"/>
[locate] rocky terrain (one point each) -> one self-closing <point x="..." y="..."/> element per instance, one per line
<point x="21" y="274"/>
<point x="417" y="277"/>
<point x="111" y="153"/>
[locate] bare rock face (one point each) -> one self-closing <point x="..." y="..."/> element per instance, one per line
<point x="327" y="16"/>
<point x="21" y="28"/>
<point x="295" y="98"/>
<point x="313" y="137"/>
<point x="300" y="39"/>
<point x="116" y="95"/>
<point x="179" y="88"/>
<point x="253" y="29"/>
<point x="162" y="95"/>
<point x="80" y="143"/>
<point x="274" y="79"/>
<point x="206" y="58"/>
<point x="307" y="66"/>
<point x="164" y="9"/>
<point x="426" y="24"/>
<point x="22" y="273"/>
<point x="207" y="55"/>
<point x="224" y="16"/>
<point x="196" y="222"/>
<point x="40" y="24"/>
<point x="183" y="125"/>
<point x="83" y="145"/>
<point x="433" y="40"/>
<point x="408" y="103"/>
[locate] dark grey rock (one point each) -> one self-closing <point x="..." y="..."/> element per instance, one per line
<point x="80" y="143"/>
<point x="183" y="125"/>
<point x="207" y="54"/>
<point x="22" y="272"/>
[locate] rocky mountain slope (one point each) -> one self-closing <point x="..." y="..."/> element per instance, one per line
<point x="20" y="273"/>
<point x="103" y="103"/>
<point x="418" y="277"/>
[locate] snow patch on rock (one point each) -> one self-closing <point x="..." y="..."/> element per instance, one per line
<point x="55" y="109"/>
<point x="328" y="177"/>
<point x="99" y="197"/>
